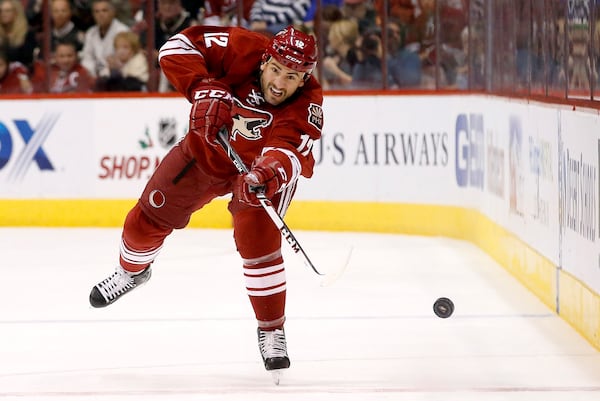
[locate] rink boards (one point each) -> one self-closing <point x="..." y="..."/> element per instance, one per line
<point x="518" y="179"/>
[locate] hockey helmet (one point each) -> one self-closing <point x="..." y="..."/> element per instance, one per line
<point x="293" y="49"/>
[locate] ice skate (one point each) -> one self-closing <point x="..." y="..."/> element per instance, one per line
<point x="273" y="349"/>
<point x="116" y="285"/>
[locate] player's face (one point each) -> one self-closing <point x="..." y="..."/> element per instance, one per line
<point x="279" y="82"/>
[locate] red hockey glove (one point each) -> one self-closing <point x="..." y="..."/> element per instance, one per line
<point x="211" y="111"/>
<point x="267" y="176"/>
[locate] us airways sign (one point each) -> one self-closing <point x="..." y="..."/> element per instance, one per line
<point x="22" y="146"/>
<point x="407" y="149"/>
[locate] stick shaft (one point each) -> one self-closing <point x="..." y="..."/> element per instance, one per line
<point x="286" y="233"/>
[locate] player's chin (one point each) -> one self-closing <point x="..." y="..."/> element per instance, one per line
<point x="275" y="100"/>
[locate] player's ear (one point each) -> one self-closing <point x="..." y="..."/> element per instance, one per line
<point x="263" y="62"/>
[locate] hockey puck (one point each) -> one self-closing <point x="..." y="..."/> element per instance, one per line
<point x="443" y="307"/>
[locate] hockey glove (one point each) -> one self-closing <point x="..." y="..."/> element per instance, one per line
<point x="267" y="176"/>
<point x="211" y="111"/>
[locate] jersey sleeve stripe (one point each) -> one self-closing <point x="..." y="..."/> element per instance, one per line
<point x="178" y="44"/>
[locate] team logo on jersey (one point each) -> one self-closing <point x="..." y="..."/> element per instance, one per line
<point x="315" y="116"/>
<point x="255" y="98"/>
<point x="248" y="122"/>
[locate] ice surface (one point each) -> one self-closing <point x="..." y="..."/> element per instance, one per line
<point x="189" y="334"/>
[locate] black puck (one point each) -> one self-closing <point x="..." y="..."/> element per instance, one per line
<point x="443" y="307"/>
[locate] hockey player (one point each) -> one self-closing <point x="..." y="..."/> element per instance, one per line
<point x="263" y="93"/>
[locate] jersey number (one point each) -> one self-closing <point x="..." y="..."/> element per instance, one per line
<point x="218" y="39"/>
<point x="306" y="145"/>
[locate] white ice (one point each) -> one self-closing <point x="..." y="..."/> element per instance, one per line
<point x="189" y="334"/>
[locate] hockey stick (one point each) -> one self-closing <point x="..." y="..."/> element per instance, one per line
<point x="223" y="139"/>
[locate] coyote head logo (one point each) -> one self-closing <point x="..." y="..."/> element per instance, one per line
<point x="249" y="122"/>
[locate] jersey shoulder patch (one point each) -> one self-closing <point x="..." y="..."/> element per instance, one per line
<point x="315" y="115"/>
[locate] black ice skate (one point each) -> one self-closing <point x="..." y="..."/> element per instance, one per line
<point x="116" y="285"/>
<point x="273" y="349"/>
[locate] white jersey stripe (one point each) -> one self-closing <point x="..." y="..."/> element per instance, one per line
<point x="178" y="51"/>
<point x="178" y="44"/>
<point x="182" y="38"/>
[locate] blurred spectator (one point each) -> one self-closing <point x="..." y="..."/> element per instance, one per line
<point x="453" y="19"/>
<point x="462" y="67"/>
<point x="99" y="39"/>
<point x="329" y="14"/>
<point x="225" y="12"/>
<point x="128" y="66"/>
<point x="400" y="10"/>
<point x="123" y="11"/>
<point x="83" y="15"/>
<point x="421" y="38"/>
<point x="16" y="37"/>
<point x="341" y="54"/>
<point x="194" y="7"/>
<point x="404" y="64"/>
<point x="271" y="16"/>
<point x="171" y="18"/>
<point x="67" y="75"/>
<point x="368" y="72"/>
<point x="326" y="6"/>
<point x="33" y="13"/>
<point x="63" y="28"/>
<point x="362" y="12"/>
<point x="13" y="76"/>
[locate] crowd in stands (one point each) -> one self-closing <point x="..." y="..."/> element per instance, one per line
<point x="101" y="45"/>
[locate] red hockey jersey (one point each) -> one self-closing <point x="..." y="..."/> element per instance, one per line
<point x="233" y="56"/>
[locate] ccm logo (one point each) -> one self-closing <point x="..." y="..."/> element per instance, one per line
<point x="212" y="93"/>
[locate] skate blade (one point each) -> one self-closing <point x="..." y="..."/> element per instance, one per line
<point x="276" y="375"/>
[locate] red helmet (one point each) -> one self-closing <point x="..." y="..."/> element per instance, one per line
<point x="294" y="49"/>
